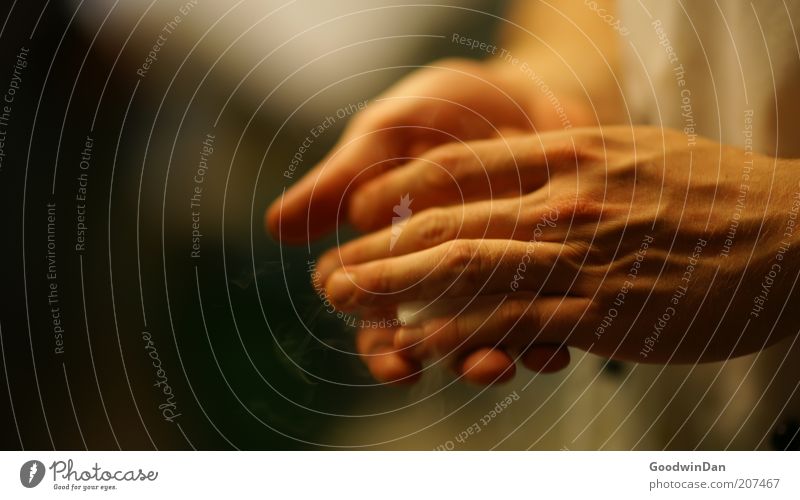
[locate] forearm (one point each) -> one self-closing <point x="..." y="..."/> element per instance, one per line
<point x="755" y="244"/>
<point x="563" y="53"/>
<point x="782" y="255"/>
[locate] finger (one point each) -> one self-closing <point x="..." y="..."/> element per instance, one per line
<point x="375" y="346"/>
<point x="459" y="172"/>
<point x="314" y="205"/>
<point x="545" y="358"/>
<point x="458" y="268"/>
<point x="487" y="366"/>
<point x="514" y="218"/>
<point x="517" y="321"/>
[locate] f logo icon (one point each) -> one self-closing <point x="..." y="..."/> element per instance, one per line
<point x="31" y="473"/>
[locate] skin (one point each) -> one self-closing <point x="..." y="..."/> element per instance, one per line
<point x="581" y="261"/>
<point x="581" y="182"/>
<point x="494" y="183"/>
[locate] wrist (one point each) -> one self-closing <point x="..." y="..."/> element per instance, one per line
<point x="787" y="191"/>
<point x="777" y="250"/>
<point x="551" y="102"/>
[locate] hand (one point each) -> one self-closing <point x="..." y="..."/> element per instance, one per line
<point x="627" y="242"/>
<point x="453" y="100"/>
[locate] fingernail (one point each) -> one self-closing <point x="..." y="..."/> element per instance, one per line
<point x="407" y="337"/>
<point x="339" y="288"/>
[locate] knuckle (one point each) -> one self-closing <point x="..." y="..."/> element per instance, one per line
<point x="474" y="271"/>
<point x="460" y="259"/>
<point x="591" y="146"/>
<point x="579" y="207"/>
<point x="448" y="160"/>
<point x="436" y="178"/>
<point x="535" y="224"/>
<point x="512" y="314"/>
<point x="433" y="227"/>
<point x="358" y="209"/>
<point x="586" y="208"/>
<point x="574" y="253"/>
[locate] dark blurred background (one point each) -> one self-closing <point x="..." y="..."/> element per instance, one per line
<point x="249" y="359"/>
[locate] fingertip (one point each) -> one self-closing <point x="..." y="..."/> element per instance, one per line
<point x="410" y="341"/>
<point x="326" y="265"/>
<point x="282" y="224"/>
<point x="546" y="358"/>
<point x="408" y="336"/>
<point x="272" y="219"/>
<point x="340" y="289"/>
<point x="387" y="366"/>
<point x="295" y="218"/>
<point x="488" y="366"/>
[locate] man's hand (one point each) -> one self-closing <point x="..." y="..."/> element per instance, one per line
<point x="629" y="243"/>
<point x="453" y="100"/>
